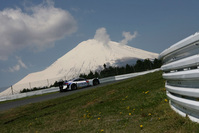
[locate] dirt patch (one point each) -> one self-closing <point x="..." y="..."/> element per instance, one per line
<point x="110" y="92"/>
<point x="91" y="103"/>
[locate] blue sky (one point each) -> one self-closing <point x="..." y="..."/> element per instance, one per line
<point x="34" y="33"/>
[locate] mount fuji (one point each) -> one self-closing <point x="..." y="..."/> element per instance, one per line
<point x="87" y="56"/>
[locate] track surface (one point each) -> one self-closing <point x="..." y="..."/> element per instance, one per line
<point x="12" y="104"/>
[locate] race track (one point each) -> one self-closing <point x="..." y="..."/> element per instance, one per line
<point x="20" y="102"/>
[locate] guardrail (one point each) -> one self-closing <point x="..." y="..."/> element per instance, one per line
<point x="55" y="89"/>
<point x="181" y="70"/>
<point x="27" y="94"/>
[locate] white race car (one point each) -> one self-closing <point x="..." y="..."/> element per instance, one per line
<point x="77" y="83"/>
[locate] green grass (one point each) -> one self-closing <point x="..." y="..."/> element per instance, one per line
<point x="119" y="108"/>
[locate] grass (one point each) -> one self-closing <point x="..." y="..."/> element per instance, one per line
<point x="133" y="105"/>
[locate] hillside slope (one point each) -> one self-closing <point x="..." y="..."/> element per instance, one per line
<point x="124" y="107"/>
<point x="89" y="55"/>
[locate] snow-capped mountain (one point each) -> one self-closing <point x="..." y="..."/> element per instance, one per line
<point x="87" y="56"/>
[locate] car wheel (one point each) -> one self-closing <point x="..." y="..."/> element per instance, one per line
<point x="73" y="87"/>
<point x="95" y="82"/>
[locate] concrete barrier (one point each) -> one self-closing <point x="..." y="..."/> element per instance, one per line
<point x="27" y="94"/>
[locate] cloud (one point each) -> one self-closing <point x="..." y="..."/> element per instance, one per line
<point x="128" y="37"/>
<point x="20" y="64"/>
<point x="14" y="68"/>
<point x="102" y="36"/>
<point x="36" y="29"/>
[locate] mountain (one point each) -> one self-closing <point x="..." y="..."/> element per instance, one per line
<point x="86" y="56"/>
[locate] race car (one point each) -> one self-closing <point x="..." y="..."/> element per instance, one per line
<point x="77" y="83"/>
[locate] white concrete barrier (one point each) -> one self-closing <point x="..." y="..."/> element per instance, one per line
<point x="27" y="94"/>
<point x="181" y="70"/>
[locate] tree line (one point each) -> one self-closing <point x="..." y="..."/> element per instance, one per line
<point x="56" y="84"/>
<point x="141" y="65"/>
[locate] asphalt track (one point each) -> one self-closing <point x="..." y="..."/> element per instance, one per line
<point x="20" y="102"/>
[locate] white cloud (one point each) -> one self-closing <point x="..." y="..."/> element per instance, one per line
<point x="128" y="37"/>
<point x="38" y="29"/>
<point x="14" y="68"/>
<point x="20" y="64"/>
<point x="102" y="36"/>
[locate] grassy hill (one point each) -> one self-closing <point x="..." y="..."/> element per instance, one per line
<point x="134" y="105"/>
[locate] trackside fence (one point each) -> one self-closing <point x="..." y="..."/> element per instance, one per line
<point x="55" y="89"/>
<point x="32" y="93"/>
<point x="41" y="84"/>
<point x="181" y="71"/>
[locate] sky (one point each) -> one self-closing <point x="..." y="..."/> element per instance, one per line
<point x="35" y="33"/>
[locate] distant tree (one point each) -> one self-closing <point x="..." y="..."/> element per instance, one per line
<point x="90" y="75"/>
<point x="128" y="68"/>
<point x="83" y="76"/>
<point x="110" y="71"/>
<point x="104" y="66"/>
<point x="55" y="84"/>
<point x="147" y="64"/>
<point x="157" y="63"/>
<point x="96" y="75"/>
<point x="141" y="65"/>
